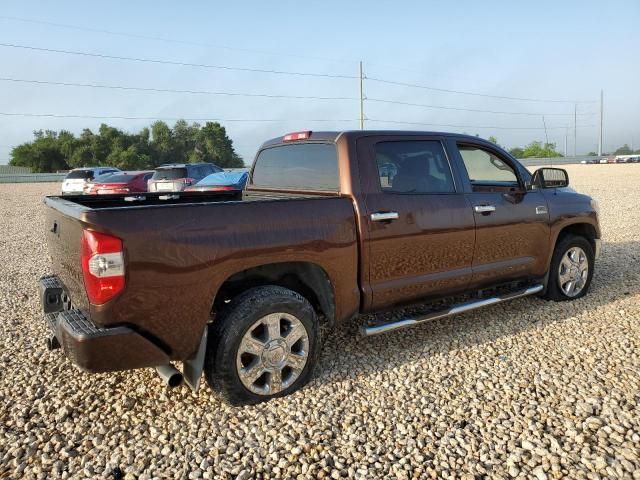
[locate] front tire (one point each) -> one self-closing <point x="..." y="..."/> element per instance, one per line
<point x="264" y="344"/>
<point x="571" y="269"/>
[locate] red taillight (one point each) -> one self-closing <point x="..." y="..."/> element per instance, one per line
<point x="289" y="137"/>
<point x="102" y="266"/>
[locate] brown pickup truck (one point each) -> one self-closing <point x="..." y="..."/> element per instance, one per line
<point x="331" y="225"/>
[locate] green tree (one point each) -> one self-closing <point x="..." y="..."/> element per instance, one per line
<point x="150" y="147"/>
<point x="44" y="154"/>
<point x="538" y="150"/>
<point x="517" y="152"/>
<point x="623" y="150"/>
<point x="493" y="140"/>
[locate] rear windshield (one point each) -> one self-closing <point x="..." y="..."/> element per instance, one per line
<point x="115" y="178"/>
<point x="103" y="177"/>
<point x="169" y="173"/>
<point x="85" y="174"/>
<point x="302" y="166"/>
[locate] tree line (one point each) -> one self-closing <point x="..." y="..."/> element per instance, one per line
<point x="548" y="150"/>
<point x="51" y="151"/>
<point x="534" y="149"/>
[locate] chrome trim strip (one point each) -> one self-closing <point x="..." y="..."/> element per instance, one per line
<point x="463" y="307"/>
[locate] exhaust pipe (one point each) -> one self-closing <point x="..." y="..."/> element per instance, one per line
<point x="52" y="343"/>
<point x="170" y="375"/>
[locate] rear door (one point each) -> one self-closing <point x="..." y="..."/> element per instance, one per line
<point x="420" y="227"/>
<point x="512" y="224"/>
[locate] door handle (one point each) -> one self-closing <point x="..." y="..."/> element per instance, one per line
<point x="484" y="208"/>
<point x="384" y="216"/>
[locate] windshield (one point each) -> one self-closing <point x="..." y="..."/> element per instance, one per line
<point x="224" y="178"/>
<point x="84" y="174"/>
<point x="169" y="173"/>
<point x="103" y="177"/>
<point x="115" y="178"/>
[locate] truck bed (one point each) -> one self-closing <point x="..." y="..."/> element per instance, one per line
<point x="179" y="249"/>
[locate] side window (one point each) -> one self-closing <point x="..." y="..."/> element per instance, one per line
<point x="195" y="172"/>
<point x="413" y="166"/>
<point x="485" y="168"/>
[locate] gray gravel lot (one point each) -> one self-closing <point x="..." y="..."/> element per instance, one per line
<point x="527" y="389"/>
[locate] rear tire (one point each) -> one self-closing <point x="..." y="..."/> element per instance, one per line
<point x="571" y="269"/>
<point x="264" y="344"/>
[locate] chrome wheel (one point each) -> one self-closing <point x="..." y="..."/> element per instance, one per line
<point x="573" y="271"/>
<point x="272" y="353"/>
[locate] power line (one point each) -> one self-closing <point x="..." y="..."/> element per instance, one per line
<point x="442" y="107"/>
<point x="168" y="40"/>
<point x="261" y="120"/>
<point x="170" y="62"/>
<point x="191" y="119"/>
<point x="167" y="90"/>
<point x="461" y="92"/>
<point x="265" y="95"/>
<point x="466" y="126"/>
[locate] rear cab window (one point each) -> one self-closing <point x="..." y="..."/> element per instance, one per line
<point x="299" y="166"/>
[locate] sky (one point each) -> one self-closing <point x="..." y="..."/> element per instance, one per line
<point x="544" y="50"/>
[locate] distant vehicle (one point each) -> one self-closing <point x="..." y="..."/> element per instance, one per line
<point x="77" y="179"/>
<point x="626" y="158"/>
<point x="119" y="182"/>
<point x="175" y="177"/>
<point x="221" y="181"/>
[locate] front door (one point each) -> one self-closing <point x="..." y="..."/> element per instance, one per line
<point x="420" y="235"/>
<point x="512" y="224"/>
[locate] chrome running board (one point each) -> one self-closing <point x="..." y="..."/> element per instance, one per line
<point x="455" y="309"/>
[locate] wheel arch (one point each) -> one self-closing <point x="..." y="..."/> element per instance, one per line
<point x="581" y="229"/>
<point x="306" y="278"/>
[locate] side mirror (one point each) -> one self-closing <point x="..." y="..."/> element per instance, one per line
<point x="550" y="178"/>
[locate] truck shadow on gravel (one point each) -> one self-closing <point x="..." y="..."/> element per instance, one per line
<point x="346" y="354"/>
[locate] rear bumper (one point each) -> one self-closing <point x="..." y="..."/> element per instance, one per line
<point x="90" y="347"/>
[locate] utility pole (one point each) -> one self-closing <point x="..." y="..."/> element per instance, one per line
<point x="601" y="119"/>
<point x="575" y="129"/>
<point x="361" y="97"/>
<point x="546" y="139"/>
<point x="566" y="134"/>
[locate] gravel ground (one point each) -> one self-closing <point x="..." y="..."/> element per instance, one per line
<point x="527" y="389"/>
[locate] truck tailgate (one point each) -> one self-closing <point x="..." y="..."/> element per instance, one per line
<point x="64" y="237"/>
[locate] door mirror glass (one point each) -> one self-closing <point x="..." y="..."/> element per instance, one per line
<point x="550" y="178"/>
